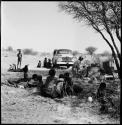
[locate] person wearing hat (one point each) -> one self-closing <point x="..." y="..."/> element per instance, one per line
<point x="76" y="66"/>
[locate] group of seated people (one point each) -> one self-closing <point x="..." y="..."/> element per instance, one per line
<point x="47" y="63"/>
<point x="58" y="87"/>
<point x="53" y="86"/>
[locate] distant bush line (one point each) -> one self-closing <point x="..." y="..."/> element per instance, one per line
<point x="29" y="52"/>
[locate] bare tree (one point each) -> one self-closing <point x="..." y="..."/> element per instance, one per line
<point x="102" y="16"/>
<point x="91" y="50"/>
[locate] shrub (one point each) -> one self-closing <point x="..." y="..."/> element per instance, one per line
<point x="9" y="49"/>
<point x="29" y="52"/>
<point x="75" y="53"/>
<point x="44" y="54"/>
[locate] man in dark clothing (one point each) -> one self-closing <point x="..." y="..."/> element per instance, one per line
<point x="49" y="64"/>
<point x="40" y="84"/>
<point x="39" y="64"/>
<point x="25" y="70"/>
<point x="68" y="84"/>
<point x="45" y="62"/>
<point x="101" y="96"/>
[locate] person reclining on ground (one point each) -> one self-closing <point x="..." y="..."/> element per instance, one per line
<point x="49" y="88"/>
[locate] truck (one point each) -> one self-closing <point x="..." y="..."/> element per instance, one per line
<point x="63" y="57"/>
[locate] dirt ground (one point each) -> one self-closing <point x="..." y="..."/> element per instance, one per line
<point x="24" y="106"/>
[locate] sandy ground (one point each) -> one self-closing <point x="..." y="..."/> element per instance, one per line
<point x="24" y="106"/>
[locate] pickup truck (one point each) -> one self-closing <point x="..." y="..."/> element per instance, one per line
<point x="63" y="57"/>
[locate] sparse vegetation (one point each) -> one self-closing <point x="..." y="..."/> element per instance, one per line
<point x="89" y="89"/>
<point x="75" y="53"/>
<point x="29" y="52"/>
<point x="106" y="53"/>
<point x="10" y="49"/>
<point x="44" y="54"/>
<point x="91" y="50"/>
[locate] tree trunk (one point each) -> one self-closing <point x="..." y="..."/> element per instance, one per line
<point x="112" y="49"/>
<point x="116" y="62"/>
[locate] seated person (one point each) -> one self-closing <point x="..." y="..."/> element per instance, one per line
<point x="49" y="64"/>
<point x="59" y="85"/>
<point x="25" y="70"/>
<point x="34" y="81"/>
<point x="39" y="64"/>
<point x="50" y="84"/>
<point x="83" y="71"/>
<point x="40" y="83"/>
<point x="45" y="62"/>
<point x="101" y="96"/>
<point x="12" y="67"/>
<point x="68" y="84"/>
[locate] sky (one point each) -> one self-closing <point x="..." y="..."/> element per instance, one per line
<point x="43" y="27"/>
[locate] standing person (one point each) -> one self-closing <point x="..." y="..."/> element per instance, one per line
<point x="19" y="55"/>
<point x="76" y="66"/>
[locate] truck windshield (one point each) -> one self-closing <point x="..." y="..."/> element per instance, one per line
<point x="64" y="52"/>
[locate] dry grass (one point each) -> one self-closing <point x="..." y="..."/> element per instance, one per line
<point x="75" y="107"/>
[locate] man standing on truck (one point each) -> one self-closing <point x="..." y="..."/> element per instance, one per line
<point x="19" y="55"/>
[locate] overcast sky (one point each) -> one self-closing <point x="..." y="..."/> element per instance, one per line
<point x="42" y="27"/>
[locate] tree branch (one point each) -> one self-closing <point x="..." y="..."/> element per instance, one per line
<point x="108" y="30"/>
